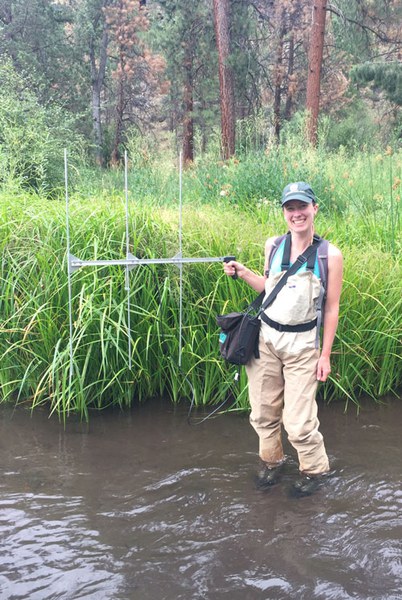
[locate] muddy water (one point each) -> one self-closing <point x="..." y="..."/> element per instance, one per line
<point x="140" y="506"/>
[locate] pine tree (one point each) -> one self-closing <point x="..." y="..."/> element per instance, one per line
<point x="386" y="77"/>
<point x="183" y="32"/>
<point x="226" y="82"/>
<point x="315" y="56"/>
<point x="92" y="39"/>
<point x="137" y="70"/>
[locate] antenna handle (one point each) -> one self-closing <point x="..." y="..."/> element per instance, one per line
<point x="227" y="259"/>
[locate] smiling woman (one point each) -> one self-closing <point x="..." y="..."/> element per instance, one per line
<point x="283" y="380"/>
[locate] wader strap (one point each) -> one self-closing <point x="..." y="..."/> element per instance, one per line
<point x="320" y="310"/>
<point x="286" y="253"/>
<point x="288" y="328"/>
<point x="274" y="248"/>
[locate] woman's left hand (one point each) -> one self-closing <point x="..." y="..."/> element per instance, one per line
<point x="323" y="368"/>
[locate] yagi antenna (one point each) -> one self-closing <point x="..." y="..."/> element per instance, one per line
<point x="74" y="263"/>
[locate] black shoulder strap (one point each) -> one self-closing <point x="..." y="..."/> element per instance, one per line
<point x="313" y="257"/>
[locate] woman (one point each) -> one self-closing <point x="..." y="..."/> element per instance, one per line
<point x="283" y="380"/>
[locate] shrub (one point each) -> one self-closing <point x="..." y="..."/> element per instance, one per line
<point x="32" y="138"/>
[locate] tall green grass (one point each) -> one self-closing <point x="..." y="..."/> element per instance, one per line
<point x="34" y="331"/>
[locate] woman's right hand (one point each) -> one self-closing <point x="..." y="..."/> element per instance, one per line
<point x="234" y="268"/>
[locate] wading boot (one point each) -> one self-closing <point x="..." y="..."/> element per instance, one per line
<point x="306" y="485"/>
<point x="268" y="476"/>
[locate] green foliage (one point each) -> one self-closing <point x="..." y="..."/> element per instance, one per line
<point x="385" y="76"/>
<point x="36" y="36"/>
<point x="360" y="201"/>
<point x="352" y="128"/>
<point x="61" y="45"/>
<point x="246" y="60"/>
<point x="31" y="138"/>
<point x="349" y="32"/>
<point x="346" y="179"/>
<point x="369" y="355"/>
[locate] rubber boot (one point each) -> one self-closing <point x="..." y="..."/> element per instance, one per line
<point x="268" y="476"/>
<point x="307" y="485"/>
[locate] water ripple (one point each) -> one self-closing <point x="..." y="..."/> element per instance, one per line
<point x="57" y="556"/>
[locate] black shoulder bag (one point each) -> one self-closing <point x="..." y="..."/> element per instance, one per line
<point x="239" y="335"/>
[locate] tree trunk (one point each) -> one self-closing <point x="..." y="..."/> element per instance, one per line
<point x="97" y="123"/>
<point x="97" y="81"/>
<point x="115" y="157"/>
<point x="315" y="56"/>
<point x="203" y="127"/>
<point x="279" y="77"/>
<point x="188" y="123"/>
<point x="221" y="21"/>
<point x="290" y="90"/>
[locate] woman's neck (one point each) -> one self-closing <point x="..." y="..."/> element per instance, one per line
<point x="301" y="241"/>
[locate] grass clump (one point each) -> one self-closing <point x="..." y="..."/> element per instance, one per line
<point x="34" y="332"/>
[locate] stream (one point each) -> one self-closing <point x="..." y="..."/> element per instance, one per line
<point x="140" y="505"/>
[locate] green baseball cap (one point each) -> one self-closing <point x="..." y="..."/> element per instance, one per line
<point x="298" y="191"/>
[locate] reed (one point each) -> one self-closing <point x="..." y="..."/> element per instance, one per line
<point x="34" y="343"/>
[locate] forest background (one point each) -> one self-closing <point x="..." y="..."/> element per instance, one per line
<point x="253" y="94"/>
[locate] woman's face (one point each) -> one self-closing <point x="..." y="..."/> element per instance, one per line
<point x="299" y="215"/>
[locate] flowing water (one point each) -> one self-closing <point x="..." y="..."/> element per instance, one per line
<point x="142" y="506"/>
